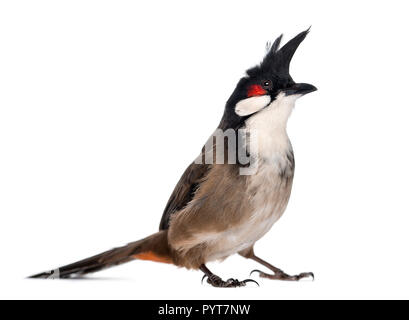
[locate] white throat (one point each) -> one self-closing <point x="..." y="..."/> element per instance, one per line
<point x="270" y="127"/>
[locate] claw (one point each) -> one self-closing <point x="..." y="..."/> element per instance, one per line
<point x="204" y="277"/>
<point x="256" y="270"/>
<point x="251" y="280"/>
<point x="307" y="274"/>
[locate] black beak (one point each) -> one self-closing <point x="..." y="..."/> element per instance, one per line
<point x="300" y="88"/>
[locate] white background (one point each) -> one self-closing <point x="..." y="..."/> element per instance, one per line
<point x="104" y="103"/>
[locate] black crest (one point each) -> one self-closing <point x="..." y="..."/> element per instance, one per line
<point x="277" y="61"/>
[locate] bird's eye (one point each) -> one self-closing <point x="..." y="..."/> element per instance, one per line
<point x="267" y="84"/>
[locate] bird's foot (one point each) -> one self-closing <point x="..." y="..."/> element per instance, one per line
<point x="283" y="276"/>
<point x="217" y="282"/>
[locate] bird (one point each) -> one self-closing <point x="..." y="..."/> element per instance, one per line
<point x="223" y="204"/>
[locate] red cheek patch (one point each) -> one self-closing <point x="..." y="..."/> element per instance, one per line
<point x="255" y="90"/>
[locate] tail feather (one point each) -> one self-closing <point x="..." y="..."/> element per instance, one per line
<point x="155" y="244"/>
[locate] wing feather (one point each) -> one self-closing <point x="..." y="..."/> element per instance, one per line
<point x="183" y="192"/>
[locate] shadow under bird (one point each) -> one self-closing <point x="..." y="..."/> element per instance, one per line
<point x="216" y="211"/>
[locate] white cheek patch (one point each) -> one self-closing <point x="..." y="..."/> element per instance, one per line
<point x="251" y="105"/>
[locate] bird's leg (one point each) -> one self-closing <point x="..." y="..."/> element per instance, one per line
<point x="216" y="281"/>
<point x="278" y="273"/>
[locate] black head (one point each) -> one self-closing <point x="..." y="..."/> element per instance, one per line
<point x="264" y="82"/>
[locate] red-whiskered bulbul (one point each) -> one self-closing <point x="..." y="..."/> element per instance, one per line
<point x="215" y="210"/>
